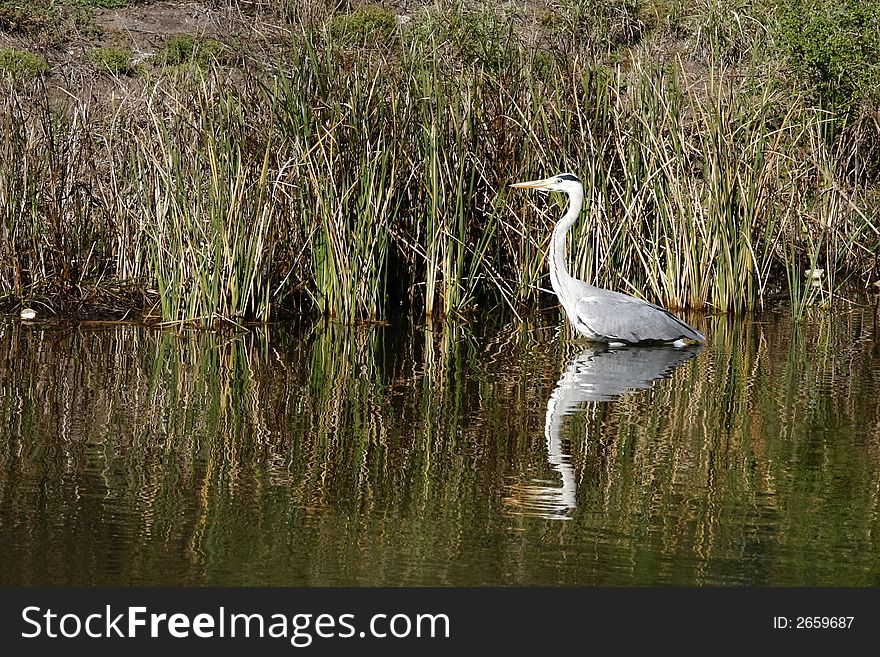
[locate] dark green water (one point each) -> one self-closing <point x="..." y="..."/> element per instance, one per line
<point x="468" y="455"/>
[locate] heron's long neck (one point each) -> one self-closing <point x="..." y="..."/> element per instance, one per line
<point x="558" y="268"/>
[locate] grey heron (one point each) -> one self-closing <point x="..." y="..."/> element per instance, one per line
<point x="604" y="315"/>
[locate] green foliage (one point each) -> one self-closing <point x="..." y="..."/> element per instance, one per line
<point x="23" y="18"/>
<point x="210" y="250"/>
<point x="187" y="50"/>
<point x="834" y="47"/>
<point x="51" y="23"/>
<point x="102" y="4"/>
<point x="115" y="61"/>
<point x="21" y="64"/>
<point x="369" y="25"/>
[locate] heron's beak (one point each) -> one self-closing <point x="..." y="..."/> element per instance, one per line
<point x="534" y="184"/>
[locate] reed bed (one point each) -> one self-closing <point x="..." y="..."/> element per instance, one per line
<point x="361" y="177"/>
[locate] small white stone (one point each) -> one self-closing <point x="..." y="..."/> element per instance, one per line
<point x="28" y="313"/>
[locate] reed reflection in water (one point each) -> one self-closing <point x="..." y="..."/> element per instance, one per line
<point x="596" y="374"/>
<point x="325" y="455"/>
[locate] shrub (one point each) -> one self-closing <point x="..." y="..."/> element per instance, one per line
<point x="834" y="47"/>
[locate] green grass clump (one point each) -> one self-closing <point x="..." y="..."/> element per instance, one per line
<point x="23" y="18"/>
<point x="188" y="50"/>
<point x="21" y="64"/>
<point x="115" y="61"/>
<point x="102" y="4"/>
<point x="53" y="21"/>
<point x="367" y="25"/>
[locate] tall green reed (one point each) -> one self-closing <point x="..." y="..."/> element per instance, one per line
<point x="354" y="180"/>
<point x="211" y="252"/>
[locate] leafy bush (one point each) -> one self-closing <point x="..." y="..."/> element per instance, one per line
<point x="834" y="46"/>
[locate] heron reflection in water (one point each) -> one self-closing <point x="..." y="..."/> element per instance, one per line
<point x="596" y="374"/>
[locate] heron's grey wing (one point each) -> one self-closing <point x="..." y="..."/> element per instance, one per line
<point x="620" y="317"/>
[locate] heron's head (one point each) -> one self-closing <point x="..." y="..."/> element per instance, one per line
<point x="564" y="182"/>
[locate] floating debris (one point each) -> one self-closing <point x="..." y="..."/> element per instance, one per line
<point x="815" y="275"/>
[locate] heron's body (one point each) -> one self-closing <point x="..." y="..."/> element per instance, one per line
<point x="603" y="315"/>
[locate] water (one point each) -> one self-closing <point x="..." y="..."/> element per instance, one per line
<point x="464" y="455"/>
